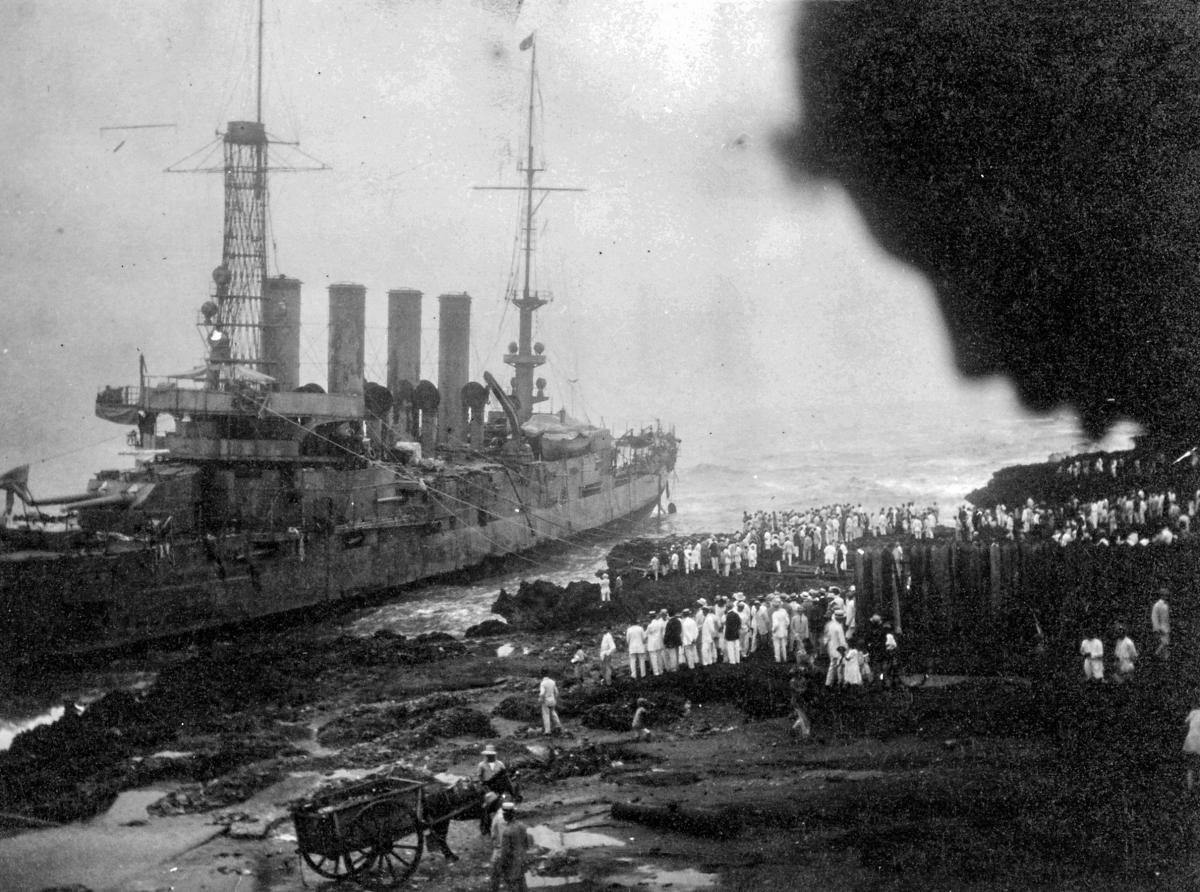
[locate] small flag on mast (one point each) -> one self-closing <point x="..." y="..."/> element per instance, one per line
<point x="527" y="42"/>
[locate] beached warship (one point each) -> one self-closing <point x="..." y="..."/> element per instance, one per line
<point x="267" y="496"/>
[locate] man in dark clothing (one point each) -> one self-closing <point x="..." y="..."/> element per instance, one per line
<point x="733" y="635"/>
<point x="873" y="644"/>
<point x="672" y="641"/>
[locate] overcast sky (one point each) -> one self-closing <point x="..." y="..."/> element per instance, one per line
<point x="691" y="279"/>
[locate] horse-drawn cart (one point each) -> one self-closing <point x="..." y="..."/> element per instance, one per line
<point x="376" y="826"/>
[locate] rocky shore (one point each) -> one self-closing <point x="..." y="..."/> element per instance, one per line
<point x="980" y="783"/>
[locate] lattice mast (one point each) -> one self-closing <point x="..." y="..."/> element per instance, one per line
<point x="236" y="324"/>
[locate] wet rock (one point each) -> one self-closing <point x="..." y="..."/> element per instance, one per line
<point x="488" y="628"/>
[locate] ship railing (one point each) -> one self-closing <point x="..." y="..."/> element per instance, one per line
<point x="130" y="395"/>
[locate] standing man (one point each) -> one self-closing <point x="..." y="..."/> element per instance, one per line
<point x="762" y="626"/>
<point x="488" y="769"/>
<point x="1125" y="652"/>
<point x="733" y="634"/>
<point x="608" y="647"/>
<point x="835" y="645"/>
<point x="511" y="844"/>
<point x="709" y="636"/>
<point x="689" y="634"/>
<point x="548" y="698"/>
<point x="1092" y="651"/>
<point x="1160" y="623"/>
<point x="672" y="641"/>
<point x="781" y="626"/>
<point x="635" y="644"/>
<point x="798" y="633"/>
<point x="605" y="589"/>
<point x="654" y="640"/>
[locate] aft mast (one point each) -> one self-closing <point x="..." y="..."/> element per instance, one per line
<point x="528" y="356"/>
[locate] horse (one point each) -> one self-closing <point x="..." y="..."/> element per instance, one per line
<point x="465" y="801"/>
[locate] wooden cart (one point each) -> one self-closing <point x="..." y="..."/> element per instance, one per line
<point x="375" y="826"/>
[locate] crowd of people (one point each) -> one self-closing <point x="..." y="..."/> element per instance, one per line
<point x="796" y="628"/>
<point x="775" y="540"/>
<point x="1131" y="518"/>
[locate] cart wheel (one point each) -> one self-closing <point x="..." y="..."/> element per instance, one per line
<point x="399" y="840"/>
<point x="343" y="866"/>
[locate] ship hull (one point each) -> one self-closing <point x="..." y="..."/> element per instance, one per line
<point x="62" y="603"/>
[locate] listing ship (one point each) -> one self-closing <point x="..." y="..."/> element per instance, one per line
<point x="268" y="496"/>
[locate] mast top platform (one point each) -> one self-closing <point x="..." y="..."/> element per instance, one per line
<point x="246" y="133"/>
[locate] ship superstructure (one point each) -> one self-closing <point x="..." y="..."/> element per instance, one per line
<point x="267" y="495"/>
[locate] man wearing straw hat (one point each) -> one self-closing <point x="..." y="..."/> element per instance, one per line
<point x="488" y="769"/>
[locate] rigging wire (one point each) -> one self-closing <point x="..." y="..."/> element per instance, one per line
<point x="395" y="472"/>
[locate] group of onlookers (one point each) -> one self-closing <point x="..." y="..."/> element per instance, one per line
<point x="1133" y="518"/>
<point x="773" y="541"/>
<point x="791" y="627"/>
<point x="1125" y="653"/>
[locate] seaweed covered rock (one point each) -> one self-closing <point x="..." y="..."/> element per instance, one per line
<point x="458" y="721"/>
<point x="518" y="709"/>
<point x="377" y="719"/>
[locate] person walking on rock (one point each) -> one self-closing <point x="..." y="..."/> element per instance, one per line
<point x="608" y="647"/>
<point x="510" y="851"/>
<point x="548" y="698"/>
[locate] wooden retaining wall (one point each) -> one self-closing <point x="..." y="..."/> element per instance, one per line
<point x="975" y="607"/>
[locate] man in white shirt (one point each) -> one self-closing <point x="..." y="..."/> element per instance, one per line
<point x="635" y="644"/>
<point x="691" y="635"/>
<point x="834" y="638"/>
<point x="709" y="636"/>
<point x="1160" y="623"/>
<point x="654" y="641"/>
<point x="1125" y="653"/>
<point x="608" y="647"/>
<point x="548" y="698"/>
<point x="781" y="624"/>
<point x="1092" y="651"/>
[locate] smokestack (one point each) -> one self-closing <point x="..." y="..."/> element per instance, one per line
<point x="347" y="319"/>
<point x="281" y="331"/>
<point x="454" y="355"/>
<point x="403" y="350"/>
